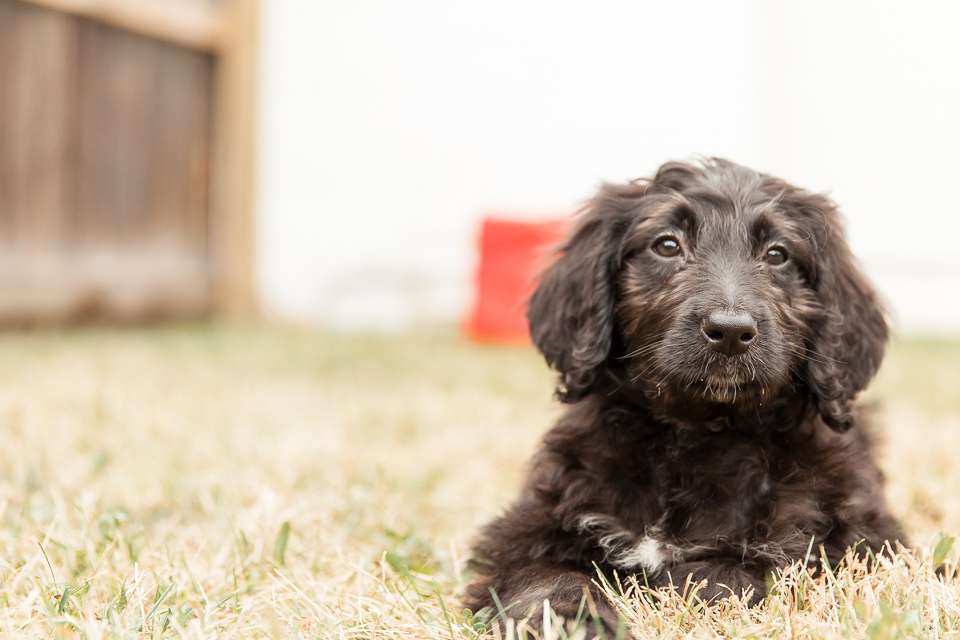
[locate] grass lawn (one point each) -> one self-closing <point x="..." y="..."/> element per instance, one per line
<point x="253" y="482"/>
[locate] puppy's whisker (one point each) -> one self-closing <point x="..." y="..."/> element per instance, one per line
<point x="639" y="352"/>
<point x="810" y="356"/>
<point x="829" y="359"/>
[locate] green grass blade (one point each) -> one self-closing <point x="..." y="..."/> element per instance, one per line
<point x="280" y="546"/>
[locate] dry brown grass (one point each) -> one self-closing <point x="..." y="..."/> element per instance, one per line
<point x="229" y="482"/>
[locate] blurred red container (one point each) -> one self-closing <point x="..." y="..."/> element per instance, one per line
<point x="512" y="254"/>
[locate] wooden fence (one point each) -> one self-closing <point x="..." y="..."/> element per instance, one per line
<point x="126" y="159"/>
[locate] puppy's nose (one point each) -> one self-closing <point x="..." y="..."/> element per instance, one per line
<point x="729" y="333"/>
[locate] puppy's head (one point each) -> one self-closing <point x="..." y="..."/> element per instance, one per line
<point x="710" y="288"/>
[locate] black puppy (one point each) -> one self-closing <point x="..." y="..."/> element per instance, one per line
<point x="711" y="331"/>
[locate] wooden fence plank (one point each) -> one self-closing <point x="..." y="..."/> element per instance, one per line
<point x="234" y="162"/>
<point x="37" y="76"/>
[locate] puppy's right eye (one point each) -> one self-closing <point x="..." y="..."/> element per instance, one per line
<point x="668" y="247"/>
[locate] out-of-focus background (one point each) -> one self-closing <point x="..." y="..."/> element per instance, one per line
<point x="388" y="128"/>
<point x="346" y="178"/>
<point x="330" y="163"/>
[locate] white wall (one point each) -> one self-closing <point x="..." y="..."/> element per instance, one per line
<point x="388" y="129"/>
<point x="862" y="99"/>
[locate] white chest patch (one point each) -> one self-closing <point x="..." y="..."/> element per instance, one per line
<point x="625" y="549"/>
<point x="649" y="553"/>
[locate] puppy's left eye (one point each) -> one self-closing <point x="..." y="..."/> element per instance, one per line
<point x="776" y="256"/>
<point x="667" y="246"/>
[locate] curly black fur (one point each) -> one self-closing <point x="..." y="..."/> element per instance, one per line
<point x="679" y="458"/>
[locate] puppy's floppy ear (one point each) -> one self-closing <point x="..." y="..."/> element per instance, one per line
<point x="849" y="339"/>
<point x="572" y="311"/>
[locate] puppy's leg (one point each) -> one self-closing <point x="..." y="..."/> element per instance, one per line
<point x="723" y="579"/>
<point x="570" y="594"/>
<point x="880" y="536"/>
